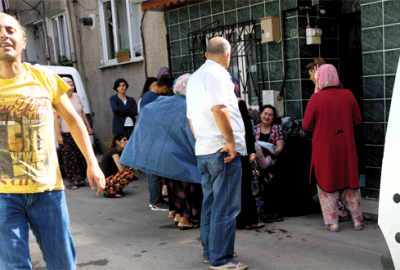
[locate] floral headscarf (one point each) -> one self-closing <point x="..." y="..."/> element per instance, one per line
<point x="326" y="76"/>
<point x="180" y="84"/>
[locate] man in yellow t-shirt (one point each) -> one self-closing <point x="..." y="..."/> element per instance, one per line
<point x="31" y="187"/>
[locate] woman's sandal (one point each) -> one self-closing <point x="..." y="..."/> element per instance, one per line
<point x="112" y="195"/>
<point x="72" y="186"/>
<point x="255" y="226"/>
<point x="328" y="227"/>
<point x="188" y="227"/>
<point x="82" y="183"/>
<point x="359" y="228"/>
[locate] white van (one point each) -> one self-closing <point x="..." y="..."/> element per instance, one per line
<point x="72" y="73"/>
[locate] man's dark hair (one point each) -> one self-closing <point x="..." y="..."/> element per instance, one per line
<point x="118" y="81"/>
<point x="165" y="80"/>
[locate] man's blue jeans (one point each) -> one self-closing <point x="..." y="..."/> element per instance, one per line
<point x="47" y="215"/>
<point x="221" y="184"/>
<point x="155" y="187"/>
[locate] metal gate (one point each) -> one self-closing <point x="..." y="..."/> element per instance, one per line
<point x="246" y="55"/>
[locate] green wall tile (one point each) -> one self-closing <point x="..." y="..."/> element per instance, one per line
<point x="216" y="6"/>
<point x="288" y="3"/>
<point x="293" y="109"/>
<point x="389" y="85"/>
<point x="252" y="2"/>
<point x="303" y="70"/>
<point x="392" y="37"/>
<point x="276" y="86"/>
<point x="391" y="61"/>
<point x="230" y="17"/>
<point x="275" y="71"/>
<point x="242" y="3"/>
<point x="229" y="5"/>
<point x="373" y="111"/>
<point x="391" y="11"/>
<point x="176" y="64"/>
<point x="173" y="17"/>
<point x="206" y="22"/>
<point x="292" y="69"/>
<point x="205" y="9"/>
<point x="272" y="9"/>
<point x="257" y="11"/>
<point x="274" y="51"/>
<point x="369" y="1"/>
<point x="371" y="15"/>
<point x="194" y="12"/>
<point x="372" y="39"/>
<point x="183" y="14"/>
<point x="219" y="17"/>
<point x="373" y="87"/>
<point x="176" y="48"/>
<point x="243" y="14"/>
<point x="290" y="24"/>
<point x="308" y="51"/>
<point x="264" y="52"/>
<point x="174" y="32"/>
<point x="387" y="109"/>
<point x="293" y="90"/>
<point x="292" y="48"/>
<point x="184" y="29"/>
<point x="373" y="63"/>
<point x="185" y="46"/>
<point x="373" y="156"/>
<point x="374" y="133"/>
<point x="195" y="25"/>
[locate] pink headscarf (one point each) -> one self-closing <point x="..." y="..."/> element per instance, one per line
<point x="326" y="76"/>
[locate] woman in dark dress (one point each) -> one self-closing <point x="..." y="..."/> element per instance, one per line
<point x="124" y="109"/>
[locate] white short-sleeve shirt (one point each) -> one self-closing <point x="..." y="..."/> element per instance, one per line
<point x="209" y="86"/>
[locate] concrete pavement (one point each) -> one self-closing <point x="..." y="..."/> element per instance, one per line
<point x="125" y="234"/>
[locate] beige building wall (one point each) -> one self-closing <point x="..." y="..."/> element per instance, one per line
<point x="87" y="44"/>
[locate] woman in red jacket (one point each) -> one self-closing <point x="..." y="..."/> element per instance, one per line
<point x="331" y="114"/>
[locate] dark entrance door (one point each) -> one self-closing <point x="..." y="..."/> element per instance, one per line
<point x="350" y="68"/>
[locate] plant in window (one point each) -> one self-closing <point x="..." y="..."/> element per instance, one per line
<point x="64" y="61"/>
<point x="123" y="55"/>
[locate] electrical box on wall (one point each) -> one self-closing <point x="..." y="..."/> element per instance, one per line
<point x="271" y="97"/>
<point x="313" y="36"/>
<point x="270" y="29"/>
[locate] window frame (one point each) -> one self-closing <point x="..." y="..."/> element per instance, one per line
<point x="64" y="35"/>
<point x="130" y="21"/>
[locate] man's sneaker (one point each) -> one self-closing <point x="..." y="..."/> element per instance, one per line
<point x="229" y="266"/>
<point x="159" y="207"/>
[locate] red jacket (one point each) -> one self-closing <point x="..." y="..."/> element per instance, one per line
<point x="331" y="115"/>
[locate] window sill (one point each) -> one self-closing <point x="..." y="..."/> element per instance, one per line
<point x="137" y="59"/>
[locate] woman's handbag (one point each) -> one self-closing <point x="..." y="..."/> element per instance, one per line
<point x="255" y="180"/>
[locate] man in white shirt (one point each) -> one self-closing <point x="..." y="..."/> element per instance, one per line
<point x="216" y="122"/>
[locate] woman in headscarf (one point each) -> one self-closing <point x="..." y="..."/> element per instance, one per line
<point x="331" y="114"/>
<point x="163" y="71"/>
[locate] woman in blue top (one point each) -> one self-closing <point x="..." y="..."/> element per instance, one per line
<point x="124" y="109"/>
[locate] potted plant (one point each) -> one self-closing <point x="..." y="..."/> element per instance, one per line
<point x="123" y="55"/>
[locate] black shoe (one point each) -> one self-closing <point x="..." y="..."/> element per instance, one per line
<point x="269" y="218"/>
<point x="278" y="217"/>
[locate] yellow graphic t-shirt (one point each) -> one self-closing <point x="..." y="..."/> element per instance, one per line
<point x="28" y="158"/>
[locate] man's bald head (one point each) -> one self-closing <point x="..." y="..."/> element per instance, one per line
<point x="218" y="46"/>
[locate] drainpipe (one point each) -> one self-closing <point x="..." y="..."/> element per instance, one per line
<point x="70" y="36"/>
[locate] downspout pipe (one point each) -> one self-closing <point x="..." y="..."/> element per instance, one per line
<point x="283" y="13"/>
<point x="70" y="36"/>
